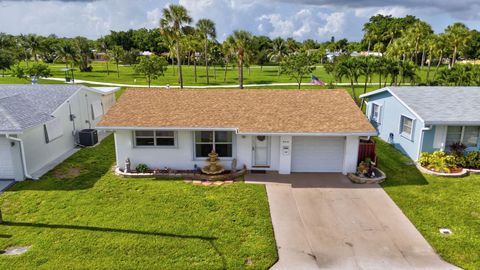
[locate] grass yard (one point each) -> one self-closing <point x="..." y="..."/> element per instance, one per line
<point x="256" y="75"/>
<point x="433" y="202"/>
<point x="81" y="216"/>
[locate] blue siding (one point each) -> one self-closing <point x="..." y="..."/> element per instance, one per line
<point x="428" y="137"/>
<point x="391" y="112"/>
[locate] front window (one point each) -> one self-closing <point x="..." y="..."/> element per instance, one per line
<point x="220" y="141"/>
<point x="160" y="138"/>
<point x="375" y="113"/>
<point x="406" y="127"/>
<point x="469" y="136"/>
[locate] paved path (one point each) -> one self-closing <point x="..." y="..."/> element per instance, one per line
<point x="323" y="221"/>
<point x="191" y="86"/>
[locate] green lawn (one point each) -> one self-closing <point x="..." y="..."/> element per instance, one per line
<point x="257" y="75"/>
<point x="80" y="216"/>
<point x="433" y="202"/>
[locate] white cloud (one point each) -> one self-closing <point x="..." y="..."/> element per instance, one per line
<point x="334" y="24"/>
<point x="395" y="11"/>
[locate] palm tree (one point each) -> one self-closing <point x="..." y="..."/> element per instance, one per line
<point x="67" y="51"/>
<point x="103" y="47"/>
<point x="172" y="24"/>
<point x="369" y="67"/>
<point x="33" y="44"/>
<point x="228" y="54"/>
<point x="418" y="32"/>
<point x="240" y="42"/>
<point x="352" y="69"/>
<point x="117" y="53"/>
<point x="206" y="28"/>
<point x="278" y="51"/>
<point x="457" y="36"/>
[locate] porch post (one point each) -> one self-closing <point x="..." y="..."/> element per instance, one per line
<point x="285" y="164"/>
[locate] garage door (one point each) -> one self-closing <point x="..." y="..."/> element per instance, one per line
<point x="6" y="164"/>
<point x="317" y="154"/>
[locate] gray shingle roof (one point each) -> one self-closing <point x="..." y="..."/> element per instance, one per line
<point x="23" y="106"/>
<point x="441" y="105"/>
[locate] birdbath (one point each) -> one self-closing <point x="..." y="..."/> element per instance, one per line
<point x="213" y="166"/>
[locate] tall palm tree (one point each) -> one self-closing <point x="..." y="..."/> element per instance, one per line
<point x="418" y="32"/>
<point x="103" y="47"/>
<point x="174" y="18"/>
<point x="67" y="51"/>
<point x="33" y="44"/>
<point x="240" y="42"/>
<point x="206" y="28"/>
<point x="352" y="69"/>
<point x="457" y="36"/>
<point x="278" y="51"/>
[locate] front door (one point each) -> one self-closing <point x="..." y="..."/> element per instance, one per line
<point x="261" y="147"/>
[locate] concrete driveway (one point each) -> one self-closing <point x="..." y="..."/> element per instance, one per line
<point x="323" y="221"/>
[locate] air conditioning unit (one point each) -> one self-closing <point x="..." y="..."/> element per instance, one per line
<point x="88" y="137"/>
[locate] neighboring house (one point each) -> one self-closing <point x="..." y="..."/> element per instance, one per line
<point x="276" y="130"/>
<point x="39" y="124"/>
<point x="425" y="119"/>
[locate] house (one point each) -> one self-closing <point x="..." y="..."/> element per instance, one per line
<point x="425" y="119"/>
<point x="274" y="130"/>
<point x="39" y="124"/>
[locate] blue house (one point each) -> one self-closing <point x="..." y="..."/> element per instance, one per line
<point x="426" y="119"/>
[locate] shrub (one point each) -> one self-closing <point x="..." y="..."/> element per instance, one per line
<point x="439" y="161"/>
<point x="142" y="168"/>
<point x="457" y="148"/>
<point x="472" y="160"/>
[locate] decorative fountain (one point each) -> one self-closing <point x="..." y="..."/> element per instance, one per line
<point x="213" y="167"/>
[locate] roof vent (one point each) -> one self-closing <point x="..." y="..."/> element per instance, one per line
<point x="445" y="231"/>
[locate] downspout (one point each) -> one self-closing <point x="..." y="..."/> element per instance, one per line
<point x="22" y="151"/>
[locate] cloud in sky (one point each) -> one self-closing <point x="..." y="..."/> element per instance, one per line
<point x="301" y="19"/>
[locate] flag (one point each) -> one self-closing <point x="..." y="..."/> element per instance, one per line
<point x="317" y="81"/>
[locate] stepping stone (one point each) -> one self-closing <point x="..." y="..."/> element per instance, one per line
<point x="218" y="183"/>
<point x="14" y="250"/>
<point x="197" y="182"/>
<point x="187" y="181"/>
<point x="228" y="182"/>
<point x="207" y="183"/>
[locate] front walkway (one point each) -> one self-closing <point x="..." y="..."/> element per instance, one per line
<point x="323" y="221"/>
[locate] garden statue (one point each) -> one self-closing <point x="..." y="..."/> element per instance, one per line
<point x="127" y="165"/>
<point x="213" y="166"/>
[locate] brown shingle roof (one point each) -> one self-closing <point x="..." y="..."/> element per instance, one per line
<point x="251" y="111"/>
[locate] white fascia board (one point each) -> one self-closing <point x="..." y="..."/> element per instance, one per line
<point x="166" y="128"/>
<point x="319" y="134"/>
<point x="453" y="123"/>
<point x="325" y="134"/>
<point x="381" y="90"/>
<point x="106" y="90"/>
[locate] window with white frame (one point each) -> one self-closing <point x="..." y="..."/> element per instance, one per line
<point x="154" y="138"/>
<point x="468" y="135"/>
<point x="375" y="114"/>
<point x="220" y="141"/>
<point x="406" y="127"/>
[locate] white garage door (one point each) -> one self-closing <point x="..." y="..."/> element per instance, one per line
<point x="6" y="164"/>
<point x="317" y="154"/>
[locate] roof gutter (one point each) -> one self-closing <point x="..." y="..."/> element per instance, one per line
<point x="260" y="133"/>
<point x="22" y="151"/>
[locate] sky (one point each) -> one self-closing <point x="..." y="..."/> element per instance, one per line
<point x="301" y="19"/>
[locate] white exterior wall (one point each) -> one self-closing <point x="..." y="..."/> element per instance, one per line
<point x="38" y="153"/>
<point x="351" y="154"/>
<point x="10" y="162"/>
<point x="182" y="156"/>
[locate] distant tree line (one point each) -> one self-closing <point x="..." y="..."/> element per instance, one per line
<point x="405" y="44"/>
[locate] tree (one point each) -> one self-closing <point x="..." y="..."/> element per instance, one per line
<point x="418" y="32"/>
<point x="151" y="67"/>
<point x="206" y="28"/>
<point x="36" y="71"/>
<point x="240" y="42"/>
<point x="352" y="69"/>
<point x="33" y="43"/>
<point x="85" y="55"/>
<point x="297" y="65"/>
<point x="369" y="67"/>
<point x="67" y="51"/>
<point x="103" y="46"/>
<point x="278" y="51"/>
<point x="457" y="36"/>
<point x="117" y="54"/>
<point x="173" y="20"/>
<point x="7" y="59"/>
